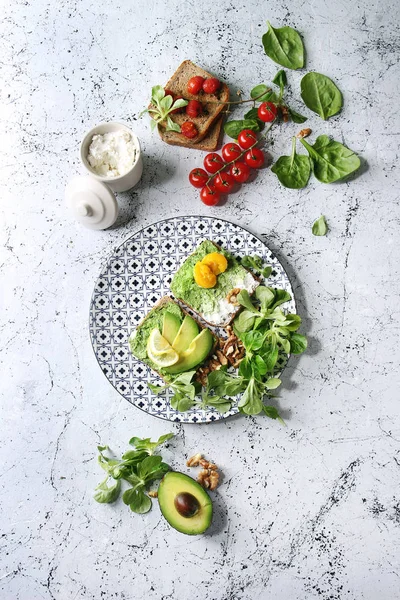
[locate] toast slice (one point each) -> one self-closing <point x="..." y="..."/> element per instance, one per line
<point x="208" y="144"/>
<point x="213" y="105"/>
<point x="154" y="319"/>
<point x="217" y="306"/>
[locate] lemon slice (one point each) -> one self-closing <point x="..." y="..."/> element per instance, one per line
<point x="159" y="351"/>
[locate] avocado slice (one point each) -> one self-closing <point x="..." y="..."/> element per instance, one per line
<point x="171" y="325"/>
<point x="184" y="503"/>
<point x="187" y="332"/>
<point x="198" y="350"/>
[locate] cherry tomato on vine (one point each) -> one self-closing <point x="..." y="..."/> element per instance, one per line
<point x="194" y="108"/>
<point x="195" y="84"/>
<point x="189" y="129"/>
<point x="254" y="158"/>
<point x="231" y="152"/>
<point x="224" y="182"/>
<point x="247" y="138"/>
<point x="240" y="171"/>
<point x="198" y="177"/>
<point x="211" y="85"/>
<point x="267" y="112"/>
<point x="210" y="195"/>
<point x="213" y="162"/>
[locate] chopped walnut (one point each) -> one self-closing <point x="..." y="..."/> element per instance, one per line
<point x="194" y="461"/>
<point x="232" y="296"/>
<point x="153" y="494"/>
<point x="208" y="479"/>
<point x="285" y="114"/>
<point x="303" y="133"/>
<point x="233" y="350"/>
<point x="206" y="464"/>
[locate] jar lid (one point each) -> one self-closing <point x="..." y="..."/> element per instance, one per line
<point x="91" y="202"/>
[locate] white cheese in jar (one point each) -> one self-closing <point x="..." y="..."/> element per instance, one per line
<point x="112" y="154"/>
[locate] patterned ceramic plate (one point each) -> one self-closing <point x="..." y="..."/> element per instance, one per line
<point x="135" y="276"/>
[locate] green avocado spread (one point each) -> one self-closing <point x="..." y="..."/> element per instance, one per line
<point x="139" y="337"/>
<point x="203" y="300"/>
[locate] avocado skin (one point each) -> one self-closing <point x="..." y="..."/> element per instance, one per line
<point x="174" y="483"/>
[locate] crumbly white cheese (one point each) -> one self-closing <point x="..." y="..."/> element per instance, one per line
<point x="224" y="311"/>
<point x="112" y="154"/>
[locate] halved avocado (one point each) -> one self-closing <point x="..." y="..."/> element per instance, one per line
<point x="187" y="332"/>
<point x="171" y="325"/>
<point x="184" y="503"/>
<point x="195" y="354"/>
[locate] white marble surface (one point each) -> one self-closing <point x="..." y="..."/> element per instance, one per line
<point x="308" y="511"/>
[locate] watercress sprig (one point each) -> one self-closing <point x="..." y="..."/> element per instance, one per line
<point x="139" y="467"/>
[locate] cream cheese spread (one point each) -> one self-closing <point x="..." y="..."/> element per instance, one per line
<point x="112" y="154"/>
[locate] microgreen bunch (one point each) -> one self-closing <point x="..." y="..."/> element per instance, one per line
<point x="139" y="467"/>
<point x="160" y="108"/>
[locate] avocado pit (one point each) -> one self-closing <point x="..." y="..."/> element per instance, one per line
<point x="186" y="504"/>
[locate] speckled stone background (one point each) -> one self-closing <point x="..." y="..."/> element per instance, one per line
<point x="304" y="512"/>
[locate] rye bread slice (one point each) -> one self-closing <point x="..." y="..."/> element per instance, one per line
<point x="230" y="293"/>
<point x="211" y="109"/>
<point x="208" y="144"/>
<point x="164" y="301"/>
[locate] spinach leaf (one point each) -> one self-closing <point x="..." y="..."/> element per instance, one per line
<point x="331" y="160"/>
<point x="296" y="117"/>
<point x="233" y="128"/>
<point x="321" y="95"/>
<point x="106" y="494"/>
<point x="281" y="80"/>
<point x="320" y="226"/>
<point x="293" y="171"/>
<point x="284" y="46"/>
<point x="263" y="93"/>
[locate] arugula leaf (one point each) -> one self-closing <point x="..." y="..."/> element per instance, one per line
<point x="331" y="160"/>
<point x="293" y="171"/>
<point x="321" y="95"/>
<point x="320" y="226"/>
<point x="284" y="46"/>
<point x="106" y="494"/>
<point x="272" y="413"/>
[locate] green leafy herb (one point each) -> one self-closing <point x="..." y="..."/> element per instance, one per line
<point x="331" y="160"/>
<point x="184" y="391"/>
<point x="139" y="467"/>
<point x="320" y="226"/>
<point x="161" y="107"/>
<point x="293" y="171"/>
<point x="284" y="46"/>
<point x="321" y="95"/>
<point x="257" y="265"/>
<point x="281" y="80"/>
<point x="296" y="117"/>
<point x="263" y="93"/>
<point x="272" y="413"/>
<point x="233" y="128"/>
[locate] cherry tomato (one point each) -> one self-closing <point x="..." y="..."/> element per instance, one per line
<point x="211" y="85"/>
<point x="194" y="108"/>
<point x="231" y="152"/>
<point x="213" y="162"/>
<point x="224" y="182"/>
<point x="240" y="171"/>
<point x="210" y="195"/>
<point x="189" y="129"/>
<point x="254" y="158"/>
<point x="169" y="93"/>
<point x="267" y="112"/>
<point x="195" y="84"/>
<point x="198" y="177"/>
<point x="247" y="138"/>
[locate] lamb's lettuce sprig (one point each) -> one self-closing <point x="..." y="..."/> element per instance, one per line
<point x="162" y="105"/>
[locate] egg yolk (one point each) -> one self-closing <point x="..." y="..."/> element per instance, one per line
<point x="203" y="276"/>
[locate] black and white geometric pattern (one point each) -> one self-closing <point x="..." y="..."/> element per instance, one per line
<point x="135" y="276"/>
